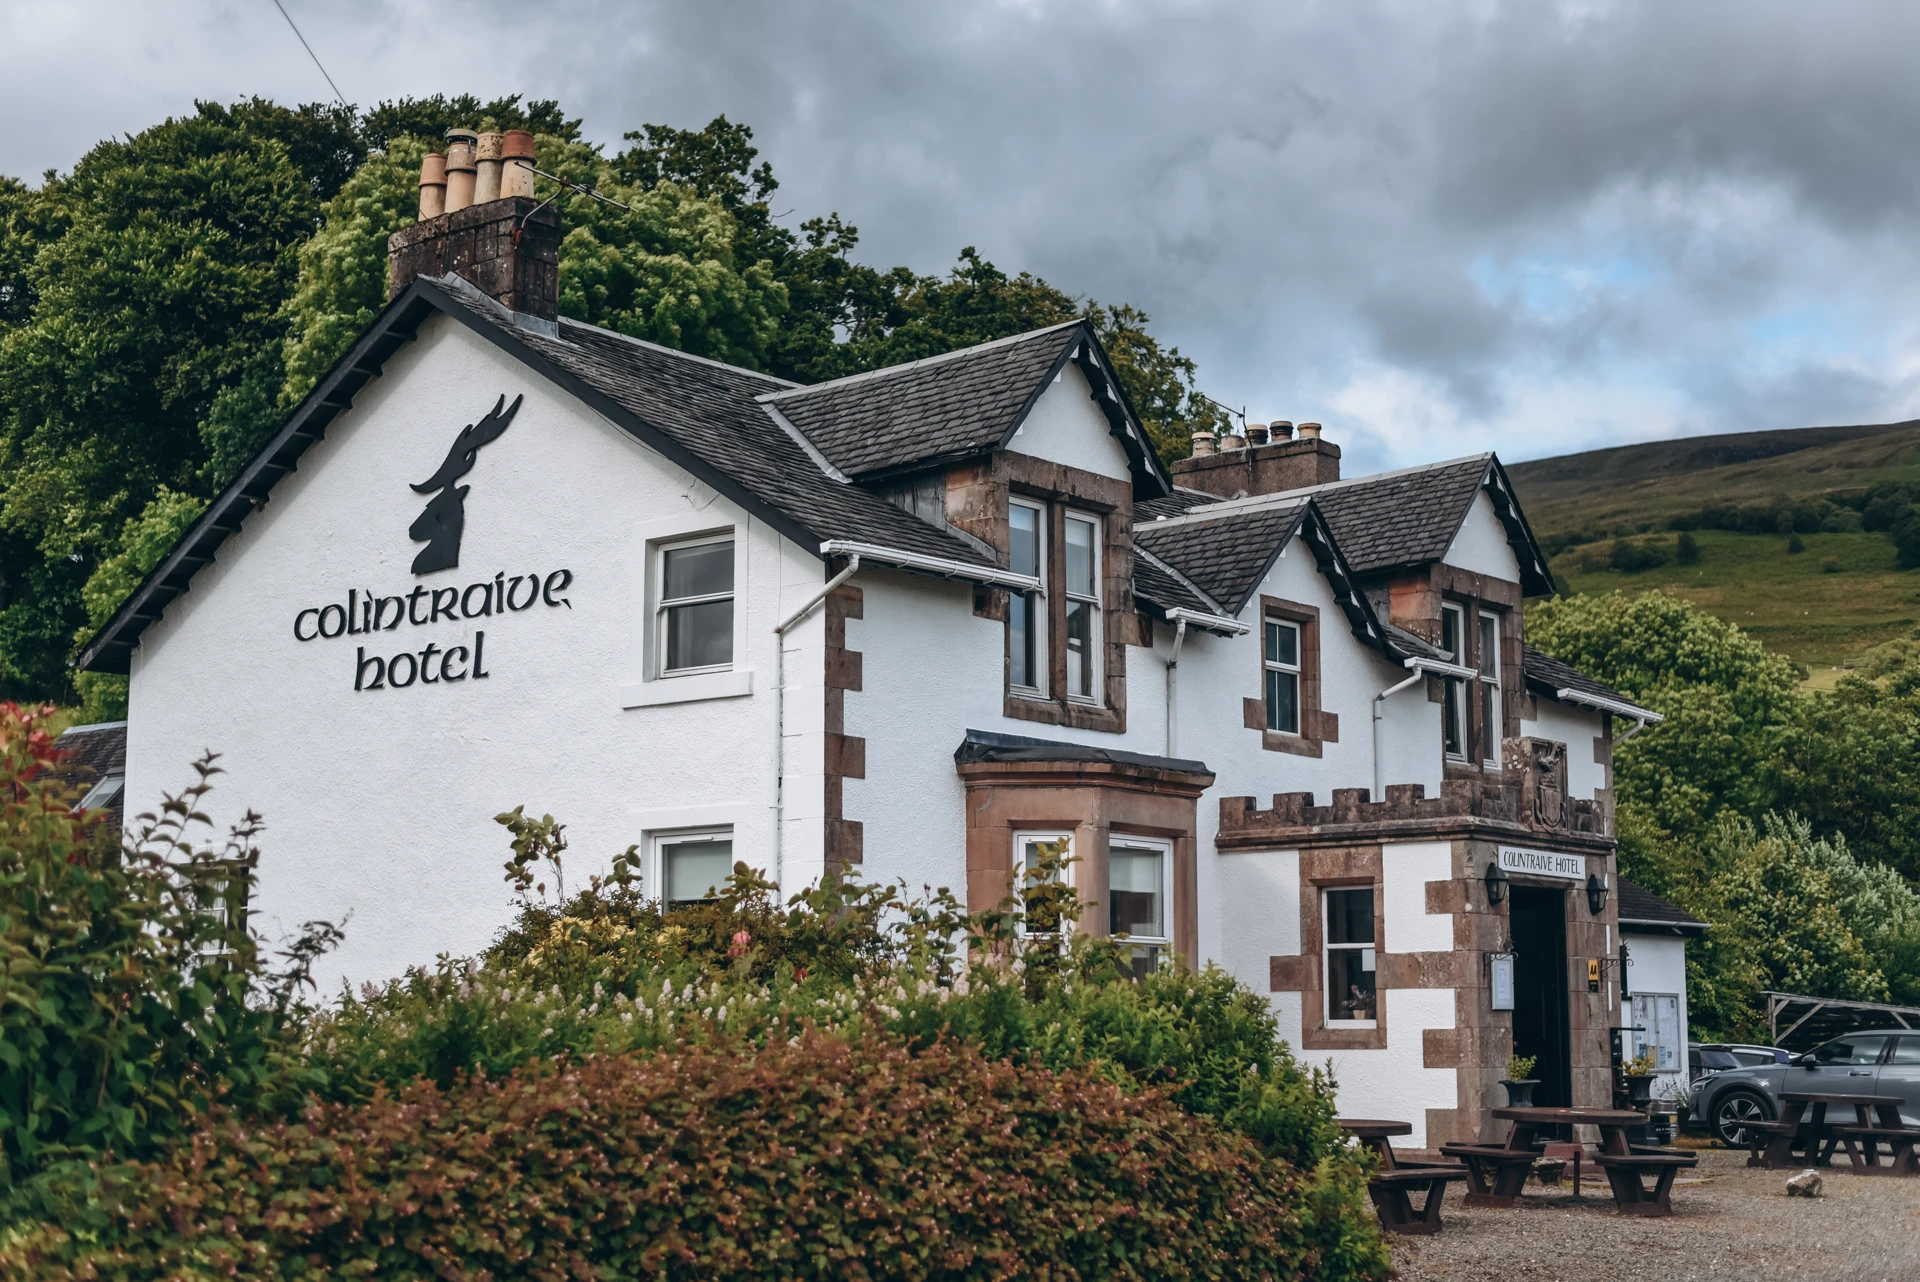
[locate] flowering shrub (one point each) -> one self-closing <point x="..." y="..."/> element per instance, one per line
<point x="807" y="1157"/>
<point x="124" y="1002"/>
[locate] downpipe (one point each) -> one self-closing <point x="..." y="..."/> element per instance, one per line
<point x="1421" y="668"/>
<point x="780" y="711"/>
<point x="1173" y="668"/>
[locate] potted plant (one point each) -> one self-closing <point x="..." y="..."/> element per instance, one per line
<point x="1639" y="1075"/>
<point x="1519" y="1085"/>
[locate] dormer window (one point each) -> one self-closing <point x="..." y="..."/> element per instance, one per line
<point x="1027" y="611"/>
<point x="1453" y="717"/>
<point x="1489" y="684"/>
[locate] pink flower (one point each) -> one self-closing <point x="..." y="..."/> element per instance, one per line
<point x="741" y="939"/>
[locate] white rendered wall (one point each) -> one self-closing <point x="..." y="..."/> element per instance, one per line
<point x="1481" y="543"/>
<point x="1577" y="728"/>
<point x="380" y="804"/>
<point x="1067" y="426"/>
<point x="1660" y="966"/>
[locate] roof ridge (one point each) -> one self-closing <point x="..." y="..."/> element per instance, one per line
<point x="687" y="356"/>
<point x="1308" y="491"/>
<point x="889" y="371"/>
<point x="1179" y="576"/>
<point x="1212" y="512"/>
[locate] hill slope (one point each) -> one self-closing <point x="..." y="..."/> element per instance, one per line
<point x="1824" y="605"/>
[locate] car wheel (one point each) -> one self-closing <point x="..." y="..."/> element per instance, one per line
<point x="1735" y="1111"/>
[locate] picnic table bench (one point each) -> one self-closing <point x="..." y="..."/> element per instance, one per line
<point x="1498" y="1173"/>
<point x="1393" y="1184"/>
<point x="1804" y="1123"/>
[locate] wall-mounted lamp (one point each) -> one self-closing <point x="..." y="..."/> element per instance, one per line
<point x="1596" y="893"/>
<point x="1496" y="883"/>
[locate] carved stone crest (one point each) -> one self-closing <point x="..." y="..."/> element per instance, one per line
<point x="1539" y="766"/>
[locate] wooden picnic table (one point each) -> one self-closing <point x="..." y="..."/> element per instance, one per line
<point x="1498" y="1173"/>
<point x="1803" y="1120"/>
<point x="1392" y="1184"/>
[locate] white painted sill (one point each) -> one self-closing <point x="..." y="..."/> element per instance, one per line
<point x="708" y="685"/>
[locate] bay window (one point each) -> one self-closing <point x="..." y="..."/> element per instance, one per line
<point x="1138" y="898"/>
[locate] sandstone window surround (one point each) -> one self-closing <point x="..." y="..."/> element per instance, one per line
<point x="1479" y="627"/>
<point x="1289" y="655"/>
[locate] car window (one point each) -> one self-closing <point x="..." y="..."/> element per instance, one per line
<point x="1851" y="1050"/>
<point x="1752" y="1059"/>
<point x="1907" y="1051"/>
<point x="1718" y="1059"/>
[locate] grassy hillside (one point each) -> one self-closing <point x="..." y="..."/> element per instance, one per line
<point x="1842" y="594"/>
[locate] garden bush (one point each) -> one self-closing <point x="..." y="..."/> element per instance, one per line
<point x="808" y="1157"/>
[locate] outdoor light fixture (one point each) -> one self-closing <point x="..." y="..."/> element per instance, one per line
<point x="1497" y="883"/>
<point x="1596" y="893"/>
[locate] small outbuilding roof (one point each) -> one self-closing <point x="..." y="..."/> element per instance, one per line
<point x="1566" y="683"/>
<point x="1644" y="913"/>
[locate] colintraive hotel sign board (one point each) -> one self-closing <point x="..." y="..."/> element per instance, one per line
<point x="1543" y="863"/>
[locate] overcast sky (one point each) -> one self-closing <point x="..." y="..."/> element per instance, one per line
<point x="1435" y="227"/>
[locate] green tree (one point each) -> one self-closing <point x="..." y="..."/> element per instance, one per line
<point x="144" y="542"/>
<point x="1687" y="550"/>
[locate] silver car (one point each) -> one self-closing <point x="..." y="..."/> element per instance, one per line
<point x="1880" y="1062"/>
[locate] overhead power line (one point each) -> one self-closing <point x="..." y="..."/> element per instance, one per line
<point x="337" y="95"/>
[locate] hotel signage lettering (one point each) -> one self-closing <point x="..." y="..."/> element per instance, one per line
<point x="1543" y="863"/>
<point x="440" y="526"/>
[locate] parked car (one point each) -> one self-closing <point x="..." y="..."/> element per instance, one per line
<point x="1704" y="1059"/>
<point x="1878" y="1062"/>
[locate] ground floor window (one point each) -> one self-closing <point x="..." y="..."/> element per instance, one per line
<point x="219" y="891"/>
<point x="1656" y="1030"/>
<point x="1040" y="899"/>
<point x="1137" y="898"/>
<point x="694" y="865"/>
<point x="1350" y="953"/>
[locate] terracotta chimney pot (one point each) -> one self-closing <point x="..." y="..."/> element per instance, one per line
<point x="516" y="157"/>
<point x="1280" y="430"/>
<point x="433" y="186"/>
<point x="460" y="168"/>
<point x="486" y="180"/>
<point x="1309" y="431"/>
<point x="1256" y="434"/>
<point x="1203" y="444"/>
<point x="1232" y="441"/>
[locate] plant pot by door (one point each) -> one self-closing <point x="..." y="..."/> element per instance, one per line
<point x="1639" y="1089"/>
<point x="1520" y="1094"/>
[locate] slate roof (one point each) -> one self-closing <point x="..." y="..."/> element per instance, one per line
<point x="91" y="753"/>
<point x="1641" y="907"/>
<point x="1547" y="675"/>
<point x="1401" y="518"/>
<point x="1226" y="555"/>
<point x="1158" y="585"/>
<point x="1178" y="503"/>
<point x="945" y="406"/>
<point x="987" y="745"/>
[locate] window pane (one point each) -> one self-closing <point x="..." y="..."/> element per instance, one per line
<point x="1489" y="645"/>
<point x="697" y="571"/>
<point x="1350" y="916"/>
<point x="1135" y="885"/>
<point x="699" y="636"/>
<point x="1456" y="739"/>
<point x="1350" y="992"/>
<point x="696" y="869"/>
<point x="1020" y="639"/>
<point x="1852" y="1050"/>
<point x="1490" y="724"/>
<point x="1907" y="1052"/>
<point x="1080" y="648"/>
<point x="1024" y="545"/>
<point x="1283" y="701"/>
<point x="1080" y="556"/>
<point x="1450" y="632"/>
<point x="1283" y="644"/>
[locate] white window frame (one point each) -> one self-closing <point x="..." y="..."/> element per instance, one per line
<point x="1096" y="669"/>
<point x="1038" y="610"/>
<point x="1024" y="837"/>
<point x="1293" y="669"/>
<point x="1163" y="942"/>
<point x="657" y="855"/>
<point x="1328" y="948"/>
<point x="1455" y="697"/>
<point x="662" y="604"/>
<point x="1650" y="1036"/>
<point x="1492" y="715"/>
<point x="645" y="685"/>
<point x="103" y="793"/>
<point x="231" y="873"/>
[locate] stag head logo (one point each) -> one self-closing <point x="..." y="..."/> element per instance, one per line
<point x="440" y="525"/>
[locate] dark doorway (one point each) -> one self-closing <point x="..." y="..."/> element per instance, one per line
<point x="1539" y="923"/>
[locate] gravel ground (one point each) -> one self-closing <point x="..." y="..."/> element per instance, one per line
<point x="1728" y="1222"/>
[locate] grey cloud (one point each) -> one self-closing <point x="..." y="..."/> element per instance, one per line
<point x="1526" y="225"/>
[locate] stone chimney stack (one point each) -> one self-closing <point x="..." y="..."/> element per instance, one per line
<point x="1282" y="463"/>
<point x="507" y="247"/>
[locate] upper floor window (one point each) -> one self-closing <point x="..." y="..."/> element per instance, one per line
<point x="1083" y="606"/>
<point x="696" y="605"/>
<point x="1453" y="717"/>
<point x="1490" y="718"/>
<point x="1027" y="611"/>
<point x="1282" y="662"/>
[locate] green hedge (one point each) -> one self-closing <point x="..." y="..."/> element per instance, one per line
<point x="813" y="1157"/>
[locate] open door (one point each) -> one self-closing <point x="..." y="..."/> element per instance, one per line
<point x="1540" y="999"/>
